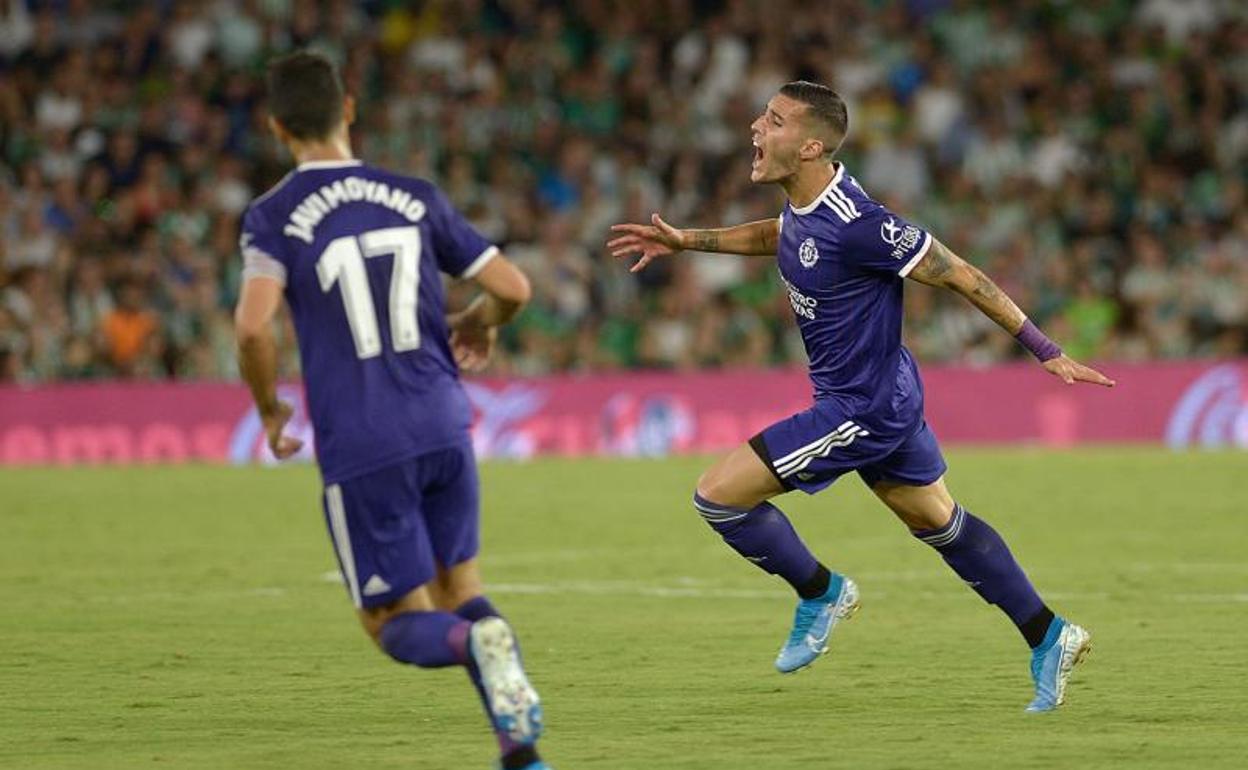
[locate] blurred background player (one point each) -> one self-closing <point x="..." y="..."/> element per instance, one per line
<point x="357" y="252"/>
<point x="843" y="257"/>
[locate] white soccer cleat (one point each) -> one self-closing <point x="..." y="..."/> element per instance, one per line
<point x="514" y="706"/>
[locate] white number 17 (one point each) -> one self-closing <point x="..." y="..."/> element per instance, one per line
<point x="343" y="262"/>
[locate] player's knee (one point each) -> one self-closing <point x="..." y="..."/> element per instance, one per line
<point x="372" y="623"/>
<point x="454" y="597"/>
<point x="712" y="489"/>
<point x="453" y="587"/>
<point x="925" y="517"/>
<point x="446" y="595"/>
<point x="724" y="519"/>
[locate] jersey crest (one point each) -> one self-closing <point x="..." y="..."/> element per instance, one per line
<point x="808" y="253"/>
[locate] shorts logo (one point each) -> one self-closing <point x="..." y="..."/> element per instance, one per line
<point x="904" y="238"/>
<point x="807" y="254"/>
<point x="375" y="586"/>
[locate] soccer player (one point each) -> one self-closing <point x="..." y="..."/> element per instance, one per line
<point x="842" y="257"/>
<point x="357" y="253"/>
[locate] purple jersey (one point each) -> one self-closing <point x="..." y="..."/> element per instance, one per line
<point x="843" y="258"/>
<point x="360" y="252"/>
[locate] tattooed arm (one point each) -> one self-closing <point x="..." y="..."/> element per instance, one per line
<point x="753" y="239"/>
<point x="659" y="239"/>
<point x="941" y="267"/>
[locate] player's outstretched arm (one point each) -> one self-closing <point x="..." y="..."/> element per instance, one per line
<point x="659" y="239"/>
<point x="941" y="267"/>
<point x="257" y="359"/>
<point x="475" y="328"/>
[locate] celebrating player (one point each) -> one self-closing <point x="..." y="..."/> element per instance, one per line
<point x="842" y="257"/>
<point x="356" y="252"/>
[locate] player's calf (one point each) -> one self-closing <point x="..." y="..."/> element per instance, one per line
<point x="765" y="537"/>
<point x="975" y="551"/>
<point x="488" y="649"/>
<point x="428" y="639"/>
<point x="979" y="555"/>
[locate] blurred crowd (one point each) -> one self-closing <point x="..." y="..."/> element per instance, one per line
<point x="1091" y="155"/>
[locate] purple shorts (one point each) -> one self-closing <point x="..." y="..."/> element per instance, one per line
<point x="811" y="449"/>
<point x="393" y="528"/>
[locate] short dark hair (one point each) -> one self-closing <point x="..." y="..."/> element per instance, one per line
<point x="825" y="106"/>
<point x="305" y="94"/>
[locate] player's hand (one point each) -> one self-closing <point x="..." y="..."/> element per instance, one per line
<point x="1071" y="371"/>
<point x="658" y="239"/>
<point x="472" y="345"/>
<point x="281" y="445"/>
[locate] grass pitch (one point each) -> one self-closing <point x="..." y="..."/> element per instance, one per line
<point x="181" y="618"/>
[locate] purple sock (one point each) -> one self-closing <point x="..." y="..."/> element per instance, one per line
<point x="980" y="557"/>
<point x="475" y="609"/>
<point x="764" y="536"/>
<point x="426" y="639"/>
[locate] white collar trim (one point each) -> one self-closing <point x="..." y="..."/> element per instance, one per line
<point x="809" y="207"/>
<point x="315" y="164"/>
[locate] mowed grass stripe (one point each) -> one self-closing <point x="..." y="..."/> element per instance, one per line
<point x="176" y="617"/>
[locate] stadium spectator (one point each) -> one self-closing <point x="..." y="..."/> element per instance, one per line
<point x="1094" y="155"/>
<point x="130" y="332"/>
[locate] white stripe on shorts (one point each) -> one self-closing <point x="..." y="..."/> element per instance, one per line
<point x="795" y="453"/>
<point x="342" y="539"/>
<point x="822" y="450"/>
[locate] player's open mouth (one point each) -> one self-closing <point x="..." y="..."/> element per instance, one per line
<point x="758" y="154"/>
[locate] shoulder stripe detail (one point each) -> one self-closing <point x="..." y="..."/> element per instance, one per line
<point x="927" y="244"/>
<point x="479" y="263"/>
<point x="820" y="198"/>
<point x="839" y="207"/>
<point x="837" y="193"/>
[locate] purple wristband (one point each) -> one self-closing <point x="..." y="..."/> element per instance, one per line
<point x="1034" y="340"/>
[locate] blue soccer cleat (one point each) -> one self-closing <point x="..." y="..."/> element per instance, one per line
<point x="813" y="623"/>
<point x="1064" y="646"/>
<point x="514" y="706"/>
